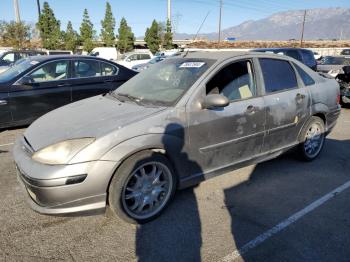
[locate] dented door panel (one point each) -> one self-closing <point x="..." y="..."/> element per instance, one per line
<point x="286" y="112"/>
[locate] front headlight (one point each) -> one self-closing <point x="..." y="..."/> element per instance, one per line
<point x="62" y="152"/>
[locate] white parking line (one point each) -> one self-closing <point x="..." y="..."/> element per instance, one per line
<point x="9" y="144"/>
<point x="292" y="219"/>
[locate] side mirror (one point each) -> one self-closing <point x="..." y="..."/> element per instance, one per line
<point x="215" y="101"/>
<point x="128" y="60"/>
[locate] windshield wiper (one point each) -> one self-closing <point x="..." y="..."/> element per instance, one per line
<point x="135" y="99"/>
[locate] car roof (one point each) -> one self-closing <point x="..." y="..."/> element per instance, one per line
<point x="41" y="58"/>
<point x="224" y="55"/>
<point x="279" y="49"/>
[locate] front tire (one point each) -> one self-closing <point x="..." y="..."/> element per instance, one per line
<point x="142" y="187"/>
<point x="312" y="139"/>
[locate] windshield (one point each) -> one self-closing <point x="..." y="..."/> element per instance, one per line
<point x="165" y="82"/>
<point x="331" y="60"/>
<point x="15" y="70"/>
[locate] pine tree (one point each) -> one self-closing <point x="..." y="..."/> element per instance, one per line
<point x="87" y="32"/>
<point x="168" y="36"/>
<point x="125" y="37"/>
<point x="49" y="27"/>
<point x="152" y="37"/>
<point x="108" y="26"/>
<point x="70" y="38"/>
<point x="16" y="34"/>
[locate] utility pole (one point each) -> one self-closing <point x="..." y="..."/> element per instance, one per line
<point x="169" y="11"/>
<point x="15" y="4"/>
<point x="219" y="39"/>
<point x="38" y="4"/>
<point x="341" y="34"/>
<point x="302" y="31"/>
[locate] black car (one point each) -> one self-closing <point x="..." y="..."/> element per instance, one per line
<point x="303" y="55"/>
<point x="39" y="84"/>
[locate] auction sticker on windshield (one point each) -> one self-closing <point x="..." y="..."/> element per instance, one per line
<point x="192" y="64"/>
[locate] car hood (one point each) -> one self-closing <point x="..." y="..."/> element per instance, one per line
<point x="92" y="117"/>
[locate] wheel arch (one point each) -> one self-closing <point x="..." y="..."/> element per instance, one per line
<point x="158" y="143"/>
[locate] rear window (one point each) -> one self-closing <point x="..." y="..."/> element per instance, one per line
<point x="278" y="75"/>
<point x="307" y="80"/>
<point x="308" y="57"/>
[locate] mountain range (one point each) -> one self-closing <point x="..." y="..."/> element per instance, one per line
<point x="325" y="23"/>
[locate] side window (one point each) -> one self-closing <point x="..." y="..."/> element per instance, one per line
<point x="144" y="56"/>
<point x="234" y="81"/>
<point x="53" y="71"/>
<point x="308" y="57"/>
<point x="9" y="58"/>
<point x="23" y="55"/>
<point x="293" y="53"/>
<point x="108" y="69"/>
<point x="278" y="75"/>
<point x="86" y="68"/>
<point x="133" y="57"/>
<point x="308" y="81"/>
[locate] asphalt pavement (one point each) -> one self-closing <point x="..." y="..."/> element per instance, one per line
<point x="280" y="210"/>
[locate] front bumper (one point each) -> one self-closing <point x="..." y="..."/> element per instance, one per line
<point x="51" y="190"/>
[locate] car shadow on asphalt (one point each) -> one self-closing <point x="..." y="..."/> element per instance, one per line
<point x="277" y="189"/>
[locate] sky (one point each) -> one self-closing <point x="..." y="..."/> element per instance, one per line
<point x="187" y="14"/>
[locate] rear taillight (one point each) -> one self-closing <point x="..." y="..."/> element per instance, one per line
<point x="338" y="99"/>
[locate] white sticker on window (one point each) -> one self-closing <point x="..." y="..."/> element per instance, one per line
<point x="192" y="64"/>
<point x="34" y="62"/>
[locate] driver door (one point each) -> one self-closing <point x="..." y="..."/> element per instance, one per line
<point x="222" y="137"/>
<point x="45" y="88"/>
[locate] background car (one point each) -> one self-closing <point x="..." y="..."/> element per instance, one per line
<point x="39" y="84"/>
<point x="109" y="53"/>
<point x="143" y="66"/>
<point x="130" y="59"/>
<point x="333" y="64"/>
<point x="303" y="55"/>
<point x="345" y="52"/>
<point x="10" y="57"/>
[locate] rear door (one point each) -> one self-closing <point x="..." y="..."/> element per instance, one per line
<point x="92" y="77"/>
<point x="47" y="88"/>
<point x="287" y="103"/>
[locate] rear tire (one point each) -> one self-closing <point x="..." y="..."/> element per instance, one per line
<point x="312" y="139"/>
<point x="142" y="187"/>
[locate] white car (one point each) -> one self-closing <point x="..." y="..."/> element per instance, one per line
<point x="109" y="53"/>
<point x="132" y="59"/>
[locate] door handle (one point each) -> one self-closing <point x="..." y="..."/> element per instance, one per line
<point x="3" y="102"/>
<point x="108" y="81"/>
<point x="250" y="110"/>
<point x="62" y="85"/>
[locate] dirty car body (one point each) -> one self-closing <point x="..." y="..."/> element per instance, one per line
<point x="190" y="110"/>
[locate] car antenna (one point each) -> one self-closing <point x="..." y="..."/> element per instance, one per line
<point x="205" y="18"/>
